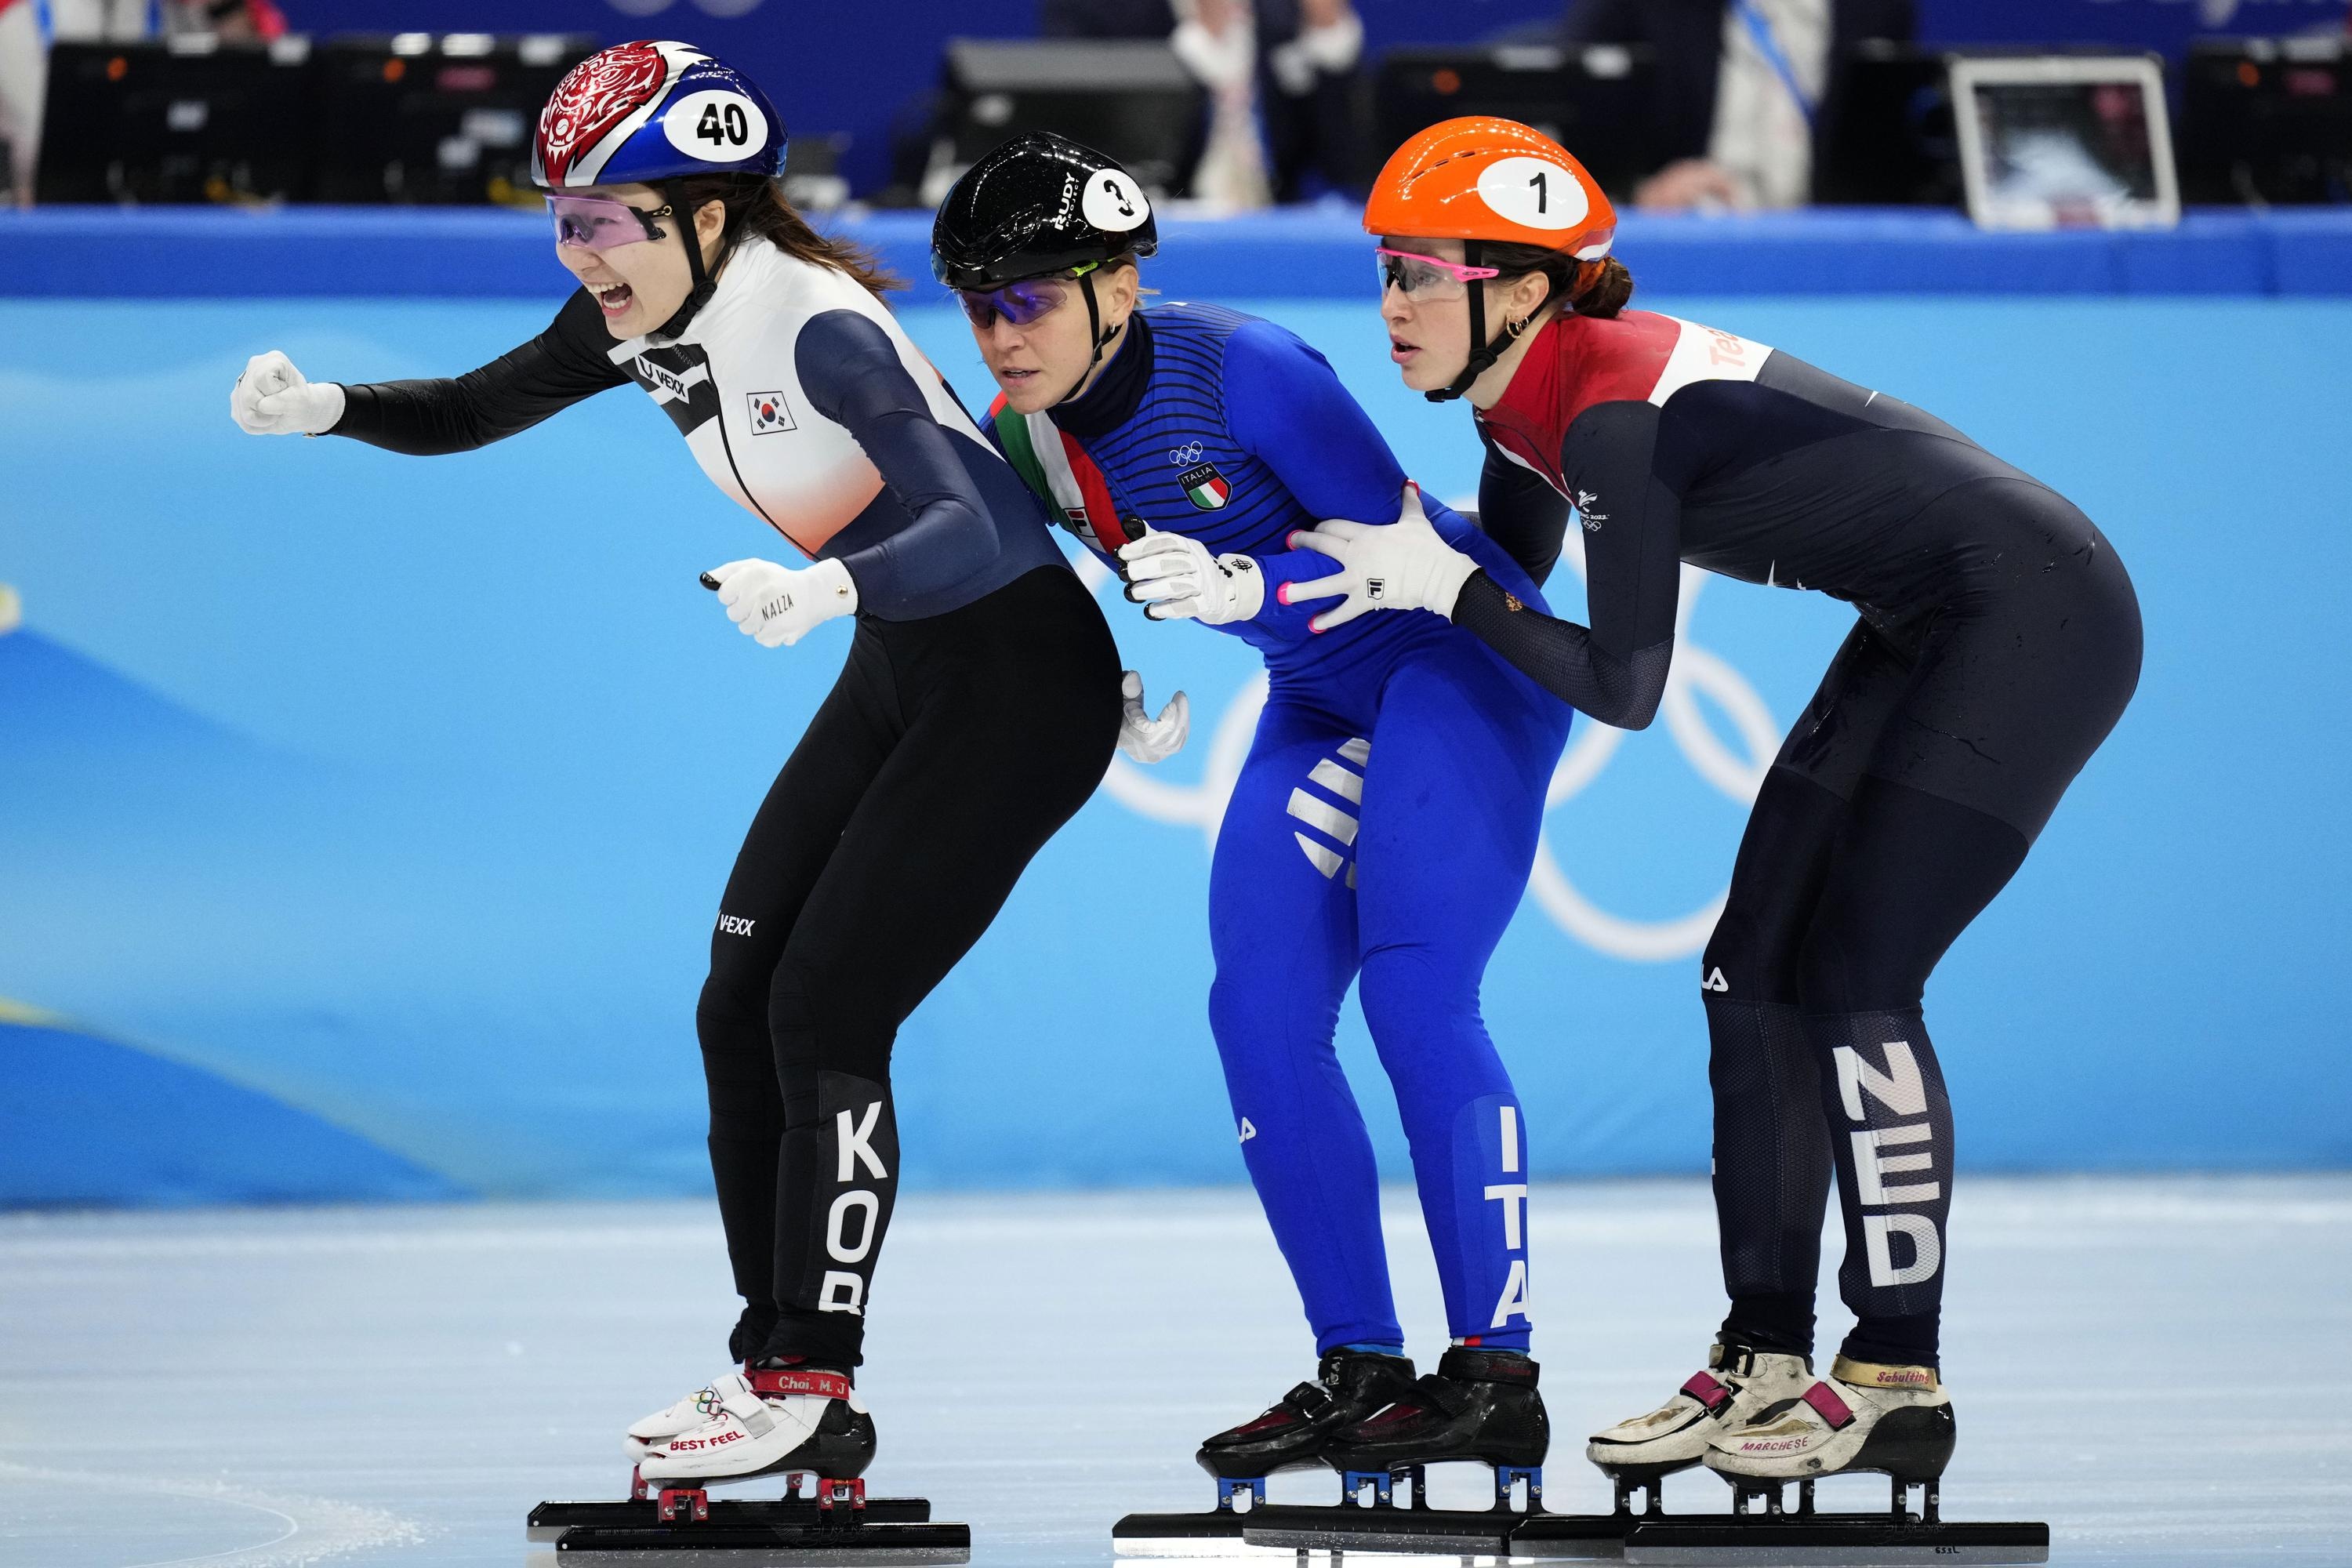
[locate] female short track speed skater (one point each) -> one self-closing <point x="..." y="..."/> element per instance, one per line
<point x="1381" y="830"/>
<point x="1998" y="643"/>
<point x="977" y="710"/>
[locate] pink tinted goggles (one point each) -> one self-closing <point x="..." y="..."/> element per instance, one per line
<point x="1426" y="277"/>
<point x="599" y="224"/>
<point x="1020" y="303"/>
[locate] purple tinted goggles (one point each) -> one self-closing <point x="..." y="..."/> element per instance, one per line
<point x="599" y="224"/>
<point x="1019" y="303"/>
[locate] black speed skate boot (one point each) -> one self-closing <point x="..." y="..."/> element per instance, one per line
<point x="1479" y="1405"/>
<point x="1348" y="1387"/>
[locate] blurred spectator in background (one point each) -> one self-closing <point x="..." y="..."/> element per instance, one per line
<point x="24" y="76"/>
<point x="231" y="21"/>
<point x="1282" y="75"/>
<point x="97" y="21"/>
<point x="1747" y="89"/>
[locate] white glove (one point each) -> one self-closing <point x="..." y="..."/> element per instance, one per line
<point x="1146" y="739"/>
<point x="775" y="604"/>
<point x="1401" y="565"/>
<point x="272" y="399"/>
<point x="1174" y="578"/>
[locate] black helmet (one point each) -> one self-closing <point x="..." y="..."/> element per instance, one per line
<point x="1038" y="204"/>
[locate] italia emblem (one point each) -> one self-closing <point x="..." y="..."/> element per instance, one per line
<point x="1204" y="487"/>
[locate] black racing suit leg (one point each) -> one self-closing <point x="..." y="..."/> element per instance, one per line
<point x="2021" y="671"/>
<point x="789" y="841"/>
<point x="1010" y="708"/>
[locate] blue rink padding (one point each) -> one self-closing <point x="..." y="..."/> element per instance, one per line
<point x="398" y="793"/>
<point x="427" y="252"/>
<point x="87" y="1122"/>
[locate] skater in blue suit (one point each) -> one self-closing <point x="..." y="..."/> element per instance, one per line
<point x="1381" y="831"/>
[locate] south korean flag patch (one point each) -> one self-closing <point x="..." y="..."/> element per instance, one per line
<point x="771" y="413"/>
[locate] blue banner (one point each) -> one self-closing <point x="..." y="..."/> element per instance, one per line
<point x="363" y="817"/>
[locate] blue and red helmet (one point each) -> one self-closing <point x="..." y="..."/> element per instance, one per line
<point x="650" y="111"/>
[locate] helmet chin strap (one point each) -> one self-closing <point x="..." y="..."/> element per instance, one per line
<point x="690" y="236"/>
<point x="1095" y="333"/>
<point x="1482" y="359"/>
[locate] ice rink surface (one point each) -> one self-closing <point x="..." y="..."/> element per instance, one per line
<point x="2158" y="1368"/>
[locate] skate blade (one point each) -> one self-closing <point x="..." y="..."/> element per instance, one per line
<point x="548" y="1520"/>
<point x="835" y="1546"/>
<point x="1286" y="1530"/>
<point x="1571" y="1537"/>
<point x="1827" y="1539"/>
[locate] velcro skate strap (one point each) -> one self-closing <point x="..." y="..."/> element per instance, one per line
<point x="1829" y="1406"/>
<point x="1872" y="1375"/>
<point x="1705" y="1388"/>
<point x="738" y="1400"/>
<point x="775" y="1383"/>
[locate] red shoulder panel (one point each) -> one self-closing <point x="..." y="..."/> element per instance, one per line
<point x="1575" y="363"/>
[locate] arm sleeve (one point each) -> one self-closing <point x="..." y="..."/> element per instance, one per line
<point x="1519" y="510"/>
<point x="1285" y="407"/>
<point x="567" y="363"/>
<point x="854" y="377"/>
<point x="1616" y="668"/>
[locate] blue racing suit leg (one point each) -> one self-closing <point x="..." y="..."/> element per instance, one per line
<point x="1454" y="799"/>
<point x="1282" y="923"/>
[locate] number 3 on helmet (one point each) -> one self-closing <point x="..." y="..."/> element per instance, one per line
<point x="1481" y="178"/>
<point x="650" y="111"/>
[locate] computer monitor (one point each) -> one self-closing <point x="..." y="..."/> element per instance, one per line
<point x="2065" y="142"/>
<point x="1595" y="100"/>
<point x="184" y="119"/>
<point x="436" y="118"/>
<point x="1891" y="143"/>
<point x="2267" y="119"/>
<point x="1132" y="98"/>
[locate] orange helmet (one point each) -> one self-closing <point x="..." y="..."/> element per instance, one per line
<point x="1481" y="178"/>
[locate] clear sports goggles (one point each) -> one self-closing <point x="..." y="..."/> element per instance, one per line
<point x="1426" y="279"/>
<point x="599" y="223"/>
<point x="1020" y="303"/>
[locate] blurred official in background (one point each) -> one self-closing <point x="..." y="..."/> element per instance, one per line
<point x="1282" y="76"/>
<point x="22" y="76"/>
<point x="1748" y="90"/>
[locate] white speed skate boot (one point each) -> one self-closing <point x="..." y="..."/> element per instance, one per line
<point x="767" y="1420"/>
<point x="1737" y="1385"/>
<point x="1862" y="1416"/>
<point x="663" y="1425"/>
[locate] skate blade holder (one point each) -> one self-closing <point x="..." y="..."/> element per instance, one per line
<point x="832" y="1519"/>
<point x="1372" y="1516"/>
<point x="1761" y="1529"/>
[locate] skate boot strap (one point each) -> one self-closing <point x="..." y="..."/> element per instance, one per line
<point x="776" y="1382"/>
<point x="1464" y="1365"/>
<point x="1829" y="1406"/>
<point x="1708" y="1390"/>
<point x="737" y="1399"/>
<point x="1872" y="1375"/>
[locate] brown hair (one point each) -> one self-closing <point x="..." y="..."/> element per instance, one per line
<point x="756" y="207"/>
<point x="1590" y="288"/>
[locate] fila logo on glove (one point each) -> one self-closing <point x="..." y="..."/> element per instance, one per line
<point x="1901" y="1091"/>
<point x="844" y="1291"/>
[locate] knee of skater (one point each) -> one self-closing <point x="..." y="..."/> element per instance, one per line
<point x="1403" y="996"/>
<point x="731" y="997"/>
<point x="821" y="1020"/>
<point x="1840" y="970"/>
<point x="1747" y="960"/>
<point x="1246" y="1011"/>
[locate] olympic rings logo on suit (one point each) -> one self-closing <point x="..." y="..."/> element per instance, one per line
<point x="1738" y="773"/>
